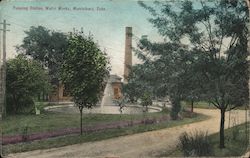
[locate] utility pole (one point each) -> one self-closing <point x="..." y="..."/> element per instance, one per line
<point x="3" y="68"/>
<point x="3" y="81"/>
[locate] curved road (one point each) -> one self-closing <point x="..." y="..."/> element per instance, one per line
<point x="148" y="144"/>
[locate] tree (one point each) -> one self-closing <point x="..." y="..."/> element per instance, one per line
<point x="46" y="47"/>
<point x="165" y="68"/>
<point x="84" y="69"/>
<point x="146" y="101"/>
<point x="191" y="91"/>
<point x="214" y="34"/>
<point x="137" y="83"/>
<point x="25" y="79"/>
<point x="121" y="102"/>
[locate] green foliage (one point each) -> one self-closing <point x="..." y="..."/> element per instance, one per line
<point x="46" y="47"/>
<point x="130" y="91"/>
<point x="196" y="53"/>
<point x="204" y="53"/>
<point x="176" y="108"/>
<point x="137" y="82"/>
<point x="25" y="80"/>
<point x="121" y="102"/>
<point x="165" y="110"/>
<point x="84" y="69"/>
<point x="196" y="144"/>
<point x="234" y="148"/>
<point x="146" y="101"/>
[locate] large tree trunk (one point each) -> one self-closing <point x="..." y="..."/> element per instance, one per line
<point x="222" y="121"/>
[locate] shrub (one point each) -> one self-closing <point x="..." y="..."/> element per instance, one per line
<point x="165" y="110"/>
<point x="195" y="144"/>
<point x="25" y="80"/>
<point x="24" y="105"/>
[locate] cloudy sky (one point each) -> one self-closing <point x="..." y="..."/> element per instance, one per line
<point x="105" y="19"/>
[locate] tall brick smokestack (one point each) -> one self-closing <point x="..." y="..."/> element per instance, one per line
<point x="128" y="53"/>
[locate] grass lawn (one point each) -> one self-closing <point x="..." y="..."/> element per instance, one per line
<point x="51" y="121"/>
<point x="200" y="104"/>
<point x="204" y="105"/>
<point x="234" y="147"/>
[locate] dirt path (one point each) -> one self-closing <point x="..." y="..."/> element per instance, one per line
<point x="147" y="144"/>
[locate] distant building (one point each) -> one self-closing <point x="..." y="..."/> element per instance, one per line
<point x="60" y="94"/>
<point x="116" y="84"/>
<point x="112" y="90"/>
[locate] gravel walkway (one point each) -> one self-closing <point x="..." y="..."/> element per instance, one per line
<point x="148" y="144"/>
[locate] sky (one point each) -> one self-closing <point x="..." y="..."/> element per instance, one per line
<point x="104" y="19"/>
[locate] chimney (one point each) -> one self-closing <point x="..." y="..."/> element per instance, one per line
<point x="128" y="53"/>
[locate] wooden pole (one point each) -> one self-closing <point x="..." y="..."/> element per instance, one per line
<point x="3" y="81"/>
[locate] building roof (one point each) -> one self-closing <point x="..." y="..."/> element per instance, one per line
<point x="114" y="78"/>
